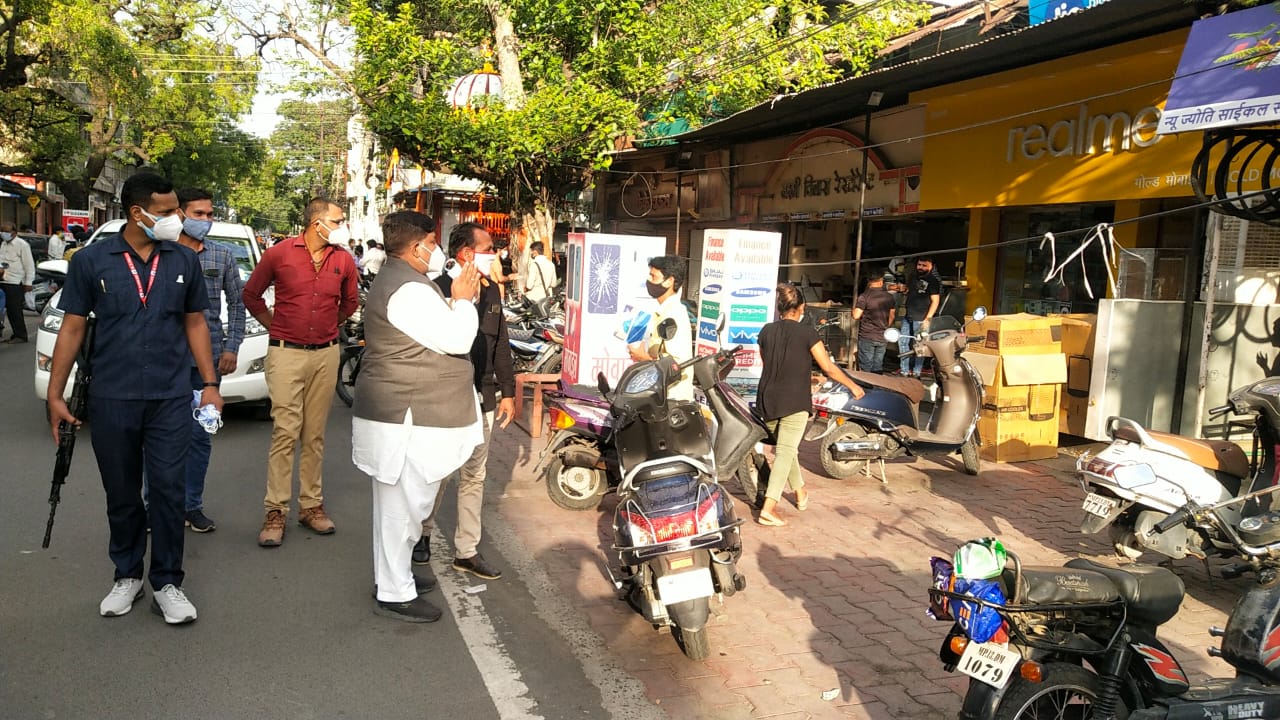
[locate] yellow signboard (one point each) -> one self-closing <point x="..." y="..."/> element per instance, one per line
<point x="33" y="201"/>
<point x="1080" y="129"/>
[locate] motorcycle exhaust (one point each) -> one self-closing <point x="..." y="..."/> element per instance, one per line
<point x="868" y="448"/>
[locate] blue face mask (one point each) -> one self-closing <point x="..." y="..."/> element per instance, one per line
<point x="198" y="229"/>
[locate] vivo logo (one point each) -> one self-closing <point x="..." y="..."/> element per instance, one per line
<point x="706" y="331"/>
<point x="744" y="335"/>
<point x="711" y="289"/>
<point x="749" y="292"/>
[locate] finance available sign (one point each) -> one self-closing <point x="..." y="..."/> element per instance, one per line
<point x="739" y="274"/>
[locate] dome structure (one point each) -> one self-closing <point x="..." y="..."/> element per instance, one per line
<point x="475" y="90"/>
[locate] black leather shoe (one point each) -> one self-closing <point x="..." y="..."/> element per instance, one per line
<point x="416" y="610"/>
<point x="477" y="566"/>
<point x="422" y="551"/>
<point x="422" y="583"/>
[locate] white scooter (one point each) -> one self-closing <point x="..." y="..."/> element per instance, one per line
<point x="1145" y="475"/>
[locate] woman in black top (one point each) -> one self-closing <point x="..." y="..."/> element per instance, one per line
<point x="787" y="349"/>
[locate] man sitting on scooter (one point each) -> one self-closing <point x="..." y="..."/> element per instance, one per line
<point x="666" y="278"/>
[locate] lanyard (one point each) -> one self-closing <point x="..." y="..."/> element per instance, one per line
<point x="154" y="265"/>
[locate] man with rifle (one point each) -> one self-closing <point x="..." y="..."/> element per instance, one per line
<point x="147" y="295"/>
<point x="66" y="435"/>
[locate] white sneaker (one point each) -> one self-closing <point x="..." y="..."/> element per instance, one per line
<point x="120" y="600"/>
<point x="172" y="603"/>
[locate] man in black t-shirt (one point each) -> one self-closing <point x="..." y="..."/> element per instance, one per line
<point x="874" y="311"/>
<point x="924" y="295"/>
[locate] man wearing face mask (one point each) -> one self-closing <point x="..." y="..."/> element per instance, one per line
<point x="315" y="285"/>
<point x="148" y="297"/>
<point x="412" y="427"/>
<point x="17" y="272"/>
<point x="666" y="278"/>
<point x="222" y="280"/>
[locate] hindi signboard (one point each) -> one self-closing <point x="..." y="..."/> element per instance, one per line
<point x="736" y="297"/>
<point x="1229" y="73"/>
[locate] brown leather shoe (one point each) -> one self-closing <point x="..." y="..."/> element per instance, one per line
<point x="316" y="519"/>
<point x="272" y="529"/>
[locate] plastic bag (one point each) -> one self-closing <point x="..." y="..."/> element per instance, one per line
<point x="979" y="622"/>
<point x="944" y="578"/>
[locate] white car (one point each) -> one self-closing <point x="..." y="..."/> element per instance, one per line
<point x="247" y="384"/>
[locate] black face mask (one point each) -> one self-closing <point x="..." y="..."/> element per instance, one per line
<point x="656" y="290"/>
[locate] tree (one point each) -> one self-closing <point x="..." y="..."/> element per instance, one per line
<point x="312" y="141"/>
<point x="578" y="74"/>
<point x="129" y="79"/>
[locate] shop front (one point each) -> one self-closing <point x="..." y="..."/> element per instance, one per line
<point x="1064" y="147"/>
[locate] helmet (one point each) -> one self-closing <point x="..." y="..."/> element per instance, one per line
<point x="980" y="559"/>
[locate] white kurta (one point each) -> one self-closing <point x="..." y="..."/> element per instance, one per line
<point x="406" y="461"/>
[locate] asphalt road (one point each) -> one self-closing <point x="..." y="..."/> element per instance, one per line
<point x="283" y="633"/>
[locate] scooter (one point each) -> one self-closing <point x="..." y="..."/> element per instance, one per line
<point x="540" y="354"/>
<point x="885" y="422"/>
<point x="676" y="535"/>
<point x="579" y="462"/>
<point x="1080" y="641"/>
<point x="1144" y="476"/>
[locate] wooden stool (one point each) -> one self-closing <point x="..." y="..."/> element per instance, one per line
<point x="539" y="382"/>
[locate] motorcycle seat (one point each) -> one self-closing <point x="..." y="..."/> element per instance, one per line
<point x="1058" y="586"/>
<point x="913" y="389"/>
<point x="1217" y="455"/>
<point x="1153" y="594"/>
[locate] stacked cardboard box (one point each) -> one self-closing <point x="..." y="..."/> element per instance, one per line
<point x="1023" y="368"/>
<point x="1077" y="344"/>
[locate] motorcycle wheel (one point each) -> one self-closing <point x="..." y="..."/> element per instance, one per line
<point x="969" y="454"/>
<point x="574" y="488"/>
<point x="753" y="478"/>
<point x="1067" y="691"/>
<point x="841" y="469"/>
<point x="549" y="366"/>
<point x="348" y="371"/>
<point x="696" y="645"/>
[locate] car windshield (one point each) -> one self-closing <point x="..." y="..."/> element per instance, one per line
<point x="240" y="248"/>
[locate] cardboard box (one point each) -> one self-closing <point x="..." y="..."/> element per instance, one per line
<point x="1021" y="334"/>
<point x="1078" y="333"/>
<point x="1019" y="382"/>
<point x="1013" y="437"/>
<point x="1078" y="336"/>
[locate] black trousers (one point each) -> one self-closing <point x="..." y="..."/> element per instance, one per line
<point x="13" y="309"/>
<point x="129" y="435"/>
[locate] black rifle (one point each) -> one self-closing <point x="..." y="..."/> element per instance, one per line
<point x="66" y="430"/>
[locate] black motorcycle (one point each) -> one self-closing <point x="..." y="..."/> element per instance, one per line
<point x="1082" y="638"/>
<point x="676" y="533"/>
<point x="351" y="349"/>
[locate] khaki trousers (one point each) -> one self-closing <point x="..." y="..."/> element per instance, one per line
<point x="789" y="431"/>
<point x="301" y="385"/>
<point x="470" y="497"/>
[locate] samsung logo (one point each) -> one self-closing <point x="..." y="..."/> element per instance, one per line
<point x="711" y="289"/>
<point x="706" y="331"/>
<point x="749" y="292"/>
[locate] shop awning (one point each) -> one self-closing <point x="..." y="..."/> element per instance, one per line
<point x="1229" y="73"/>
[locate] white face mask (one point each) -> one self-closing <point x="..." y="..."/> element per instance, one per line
<point x="338" y="236"/>
<point x="168" y="227"/>
<point x="435" y="260"/>
<point x="6" y="236"/>
<point x="484" y="263"/>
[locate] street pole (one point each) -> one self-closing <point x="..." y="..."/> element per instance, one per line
<point x="873" y="100"/>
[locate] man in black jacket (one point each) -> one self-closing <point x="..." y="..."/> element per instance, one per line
<point x="491" y="356"/>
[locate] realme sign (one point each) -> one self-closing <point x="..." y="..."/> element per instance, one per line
<point x="1085" y="134"/>
<point x="1079" y="129"/>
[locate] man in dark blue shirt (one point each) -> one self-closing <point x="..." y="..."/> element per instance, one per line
<point x="148" y="297"/>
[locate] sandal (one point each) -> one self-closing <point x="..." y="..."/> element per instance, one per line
<point x="803" y="505"/>
<point x="771" y="521"/>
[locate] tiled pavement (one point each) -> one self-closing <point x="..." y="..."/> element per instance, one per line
<point x="835" y="601"/>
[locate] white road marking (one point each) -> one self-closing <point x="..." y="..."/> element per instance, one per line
<point x="501" y="677"/>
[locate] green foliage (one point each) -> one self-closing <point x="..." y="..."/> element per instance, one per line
<point x="593" y="71"/>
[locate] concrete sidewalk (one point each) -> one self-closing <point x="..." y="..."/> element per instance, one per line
<point x="834" y="601"/>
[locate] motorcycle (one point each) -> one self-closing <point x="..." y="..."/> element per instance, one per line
<point x="885" y="422"/>
<point x="1082" y="638"/>
<point x="676" y="536"/>
<point x="540" y="354"/>
<point x="580" y="464"/>
<point x="1143" y="476"/>
<point x="527" y="319"/>
<point x="351" y="354"/>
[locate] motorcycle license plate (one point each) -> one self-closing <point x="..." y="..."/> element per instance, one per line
<point x="690" y="585"/>
<point x="991" y="663"/>
<point x="1096" y="504"/>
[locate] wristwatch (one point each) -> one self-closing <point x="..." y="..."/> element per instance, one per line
<point x="210" y="385"/>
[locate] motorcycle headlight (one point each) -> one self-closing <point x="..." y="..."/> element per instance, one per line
<point x="642" y="381"/>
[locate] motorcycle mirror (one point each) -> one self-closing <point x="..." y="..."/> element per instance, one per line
<point x="892" y="335"/>
<point x="980" y="313"/>
<point x="667" y="329"/>
<point x="721" y="323"/>
<point x="602" y="382"/>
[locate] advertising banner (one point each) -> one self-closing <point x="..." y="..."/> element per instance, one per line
<point x="75" y="217"/>
<point x="739" y="274"/>
<point x="605" y="301"/>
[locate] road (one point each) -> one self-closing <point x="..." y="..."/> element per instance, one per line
<point x="283" y="633"/>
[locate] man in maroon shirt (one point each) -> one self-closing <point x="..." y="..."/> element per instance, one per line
<point x="315" y="290"/>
